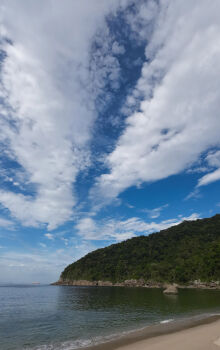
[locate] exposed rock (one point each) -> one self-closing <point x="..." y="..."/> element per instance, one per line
<point x="130" y="283"/>
<point x="58" y="283"/>
<point x="204" y="285"/>
<point x="118" y="284"/>
<point x="75" y="283"/>
<point x="105" y="283"/>
<point x="214" y="284"/>
<point x="171" y="289"/>
<point x="84" y="283"/>
<point x="152" y="284"/>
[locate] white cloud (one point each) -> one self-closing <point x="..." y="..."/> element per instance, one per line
<point x="199" y="169"/>
<point x="43" y="245"/>
<point x="155" y="213"/>
<point x="178" y="118"/>
<point x="194" y="194"/>
<point x="208" y="178"/>
<point x="110" y="229"/>
<point x="40" y="265"/>
<point x="7" y="224"/>
<point x="49" y="236"/>
<point x="213" y="160"/>
<point x="129" y="205"/>
<point x="104" y="66"/>
<point x="117" y="49"/>
<point x="45" y="266"/>
<point x="118" y="230"/>
<point x="48" y="108"/>
<point x="141" y="19"/>
<point x="65" y="240"/>
<point x="58" y="235"/>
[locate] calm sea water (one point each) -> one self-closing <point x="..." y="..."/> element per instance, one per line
<point x="56" y="317"/>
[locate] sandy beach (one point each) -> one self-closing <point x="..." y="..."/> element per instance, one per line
<point x="201" y="334"/>
<point x="203" y="337"/>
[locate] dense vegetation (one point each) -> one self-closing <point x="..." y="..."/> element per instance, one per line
<point x="182" y="253"/>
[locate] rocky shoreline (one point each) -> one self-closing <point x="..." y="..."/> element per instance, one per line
<point x="197" y="284"/>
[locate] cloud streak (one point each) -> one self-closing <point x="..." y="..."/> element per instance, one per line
<point x="213" y="160"/>
<point x="7" y="224"/>
<point x="155" y="213"/>
<point x="48" y="109"/>
<point x="40" y="265"/>
<point x="118" y="230"/>
<point x="178" y="118"/>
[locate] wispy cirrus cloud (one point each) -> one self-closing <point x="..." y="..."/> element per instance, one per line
<point x="178" y="116"/>
<point x="155" y="213"/>
<point x="213" y="160"/>
<point x="104" y="95"/>
<point x="209" y="178"/>
<point x="48" y="107"/>
<point x="49" y="236"/>
<point x="7" y="224"/>
<point x="41" y="265"/>
<point x="118" y="230"/>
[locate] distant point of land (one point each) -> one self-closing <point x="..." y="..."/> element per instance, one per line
<point x="186" y="254"/>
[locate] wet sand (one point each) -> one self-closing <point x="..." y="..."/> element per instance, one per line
<point x="199" y="334"/>
<point x="205" y="337"/>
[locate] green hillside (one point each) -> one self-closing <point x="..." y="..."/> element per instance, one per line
<point x="182" y="253"/>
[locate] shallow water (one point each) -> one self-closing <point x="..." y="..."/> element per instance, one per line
<point x="60" y="317"/>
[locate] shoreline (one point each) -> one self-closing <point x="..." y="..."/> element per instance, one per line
<point x="138" y="283"/>
<point x="156" y="336"/>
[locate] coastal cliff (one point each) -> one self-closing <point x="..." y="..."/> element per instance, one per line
<point x="187" y="254"/>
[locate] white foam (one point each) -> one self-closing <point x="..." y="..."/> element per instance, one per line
<point x="167" y="321"/>
<point x="76" y="344"/>
<point x="84" y="343"/>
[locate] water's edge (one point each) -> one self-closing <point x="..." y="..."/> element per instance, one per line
<point x="215" y="285"/>
<point x="172" y="326"/>
<point x="94" y="318"/>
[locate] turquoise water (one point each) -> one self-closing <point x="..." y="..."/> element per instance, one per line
<point x="59" y="317"/>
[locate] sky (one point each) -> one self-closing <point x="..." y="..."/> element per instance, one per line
<point x="109" y="125"/>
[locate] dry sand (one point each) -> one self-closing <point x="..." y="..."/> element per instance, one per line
<point x="191" y="334"/>
<point x="203" y="337"/>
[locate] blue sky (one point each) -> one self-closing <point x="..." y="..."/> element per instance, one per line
<point x="109" y="125"/>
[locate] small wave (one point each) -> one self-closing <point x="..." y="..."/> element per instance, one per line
<point x="75" y="344"/>
<point x="67" y="345"/>
<point x="167" y="321"/>
<point x="86" y="343"/>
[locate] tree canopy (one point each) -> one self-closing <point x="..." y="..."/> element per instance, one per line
<point x="182" y="253"/>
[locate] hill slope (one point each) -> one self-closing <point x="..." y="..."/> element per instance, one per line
<point x="182" y="253"/>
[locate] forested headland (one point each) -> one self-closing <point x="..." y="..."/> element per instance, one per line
<point x="182" y="253"/>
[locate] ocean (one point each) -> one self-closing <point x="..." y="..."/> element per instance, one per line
<point x="43" y="317"/>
